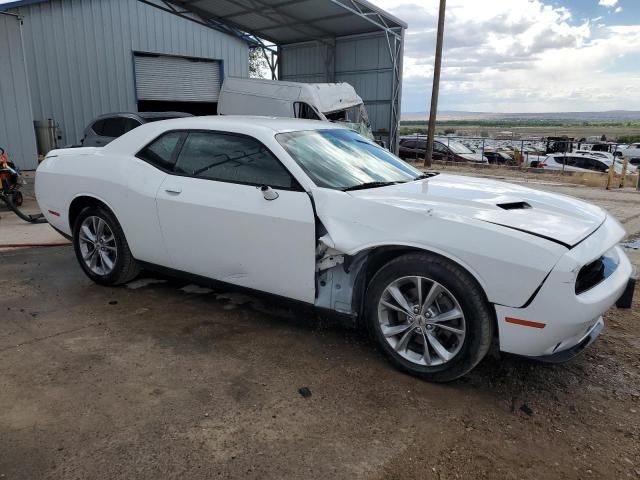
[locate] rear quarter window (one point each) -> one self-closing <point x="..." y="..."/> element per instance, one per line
<point x="161" y="153"/>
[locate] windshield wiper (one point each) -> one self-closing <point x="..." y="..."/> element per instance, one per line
<point x="364" y="186"/>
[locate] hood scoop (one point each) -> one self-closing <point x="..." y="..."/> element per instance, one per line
<point x="514" y="206"/>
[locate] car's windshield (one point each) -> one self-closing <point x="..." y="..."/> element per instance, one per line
<point x="457" y="147"/>
<point x="342" y="159"/>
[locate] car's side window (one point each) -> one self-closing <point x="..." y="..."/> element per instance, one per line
<point x="98" y="127"/>
<point x="410" y="144"/>
<point x="231" y="158"/>
<point x="129" y="124"/>
<point x="582" y="163"/>
<point x="161" y="152"/>
<point x="439" y="147"/>
<point x="304" y="110"/>
<point x="600" y="166"/>
<point x="569" y="161"/>
<point x="113" y="127"/>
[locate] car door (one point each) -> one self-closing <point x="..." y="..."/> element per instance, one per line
<point x="137" y="210"/>
<point x="421" y="149"/>
<point x="232" y="212"/>
<point x="408" y="149"/>
<point x="440" y="152"/>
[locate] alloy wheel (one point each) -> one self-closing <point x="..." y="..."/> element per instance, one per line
<point x="421" y="320"/>
<point x="98" y="246"/>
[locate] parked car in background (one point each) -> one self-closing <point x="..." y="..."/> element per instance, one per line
<point x="415" y="148"/>
<point x="437" y="267"/>
<point x="632" y="152"/>
<point x="106" y="128"/>
<point x="609" y="158"/>
<point x="576" y="162"/>
<point x="497" y="157"/>
<point x="571" y="164"/>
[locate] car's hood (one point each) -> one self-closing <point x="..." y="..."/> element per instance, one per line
<point x="556" y="217"/>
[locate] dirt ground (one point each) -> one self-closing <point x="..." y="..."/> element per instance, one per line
<point x="168" y="380"/>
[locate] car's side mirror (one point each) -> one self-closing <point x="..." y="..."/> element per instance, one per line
<point x="269" y="194"/>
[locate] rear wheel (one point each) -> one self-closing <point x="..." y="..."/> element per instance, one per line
<point x="101" y="247"/>
<point x="429" y="317"/>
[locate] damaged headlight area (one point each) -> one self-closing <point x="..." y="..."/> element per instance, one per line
<point x="597" y="271"/>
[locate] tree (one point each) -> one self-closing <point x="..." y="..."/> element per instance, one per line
<point x="258" y="67"/>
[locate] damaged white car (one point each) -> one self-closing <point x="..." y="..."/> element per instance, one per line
<point x="438" y="267"/>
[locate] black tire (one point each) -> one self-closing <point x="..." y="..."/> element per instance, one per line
<point x="478" y="315"/>
<point x="126" y="268"/>
<point x="18" y="199"/>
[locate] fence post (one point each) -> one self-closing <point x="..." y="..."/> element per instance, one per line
<point x="625" y="164"/>
<point x="610" y="176"/>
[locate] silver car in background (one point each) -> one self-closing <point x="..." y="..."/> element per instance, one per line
<point x="106" y="128"/>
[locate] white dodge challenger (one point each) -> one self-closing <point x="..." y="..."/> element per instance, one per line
<point x="437" y="267"/>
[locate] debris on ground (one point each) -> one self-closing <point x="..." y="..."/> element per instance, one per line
<point x="305" y="392"/>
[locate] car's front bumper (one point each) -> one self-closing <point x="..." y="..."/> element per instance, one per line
<point x="558" y="323"/>
<point x="565" y="355"/>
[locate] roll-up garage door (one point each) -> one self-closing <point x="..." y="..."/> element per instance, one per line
<point x="177" y="79"/>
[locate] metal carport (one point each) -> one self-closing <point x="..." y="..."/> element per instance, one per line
<point x="318" y="41"/>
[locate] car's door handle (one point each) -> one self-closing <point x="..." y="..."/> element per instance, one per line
<point x="173" y="190"/>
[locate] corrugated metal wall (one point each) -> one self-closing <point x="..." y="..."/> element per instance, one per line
<point x="309" y="62"/>
<point x="80" y="55"/>
<point x="364" y="61"/>
<point x="16" y="123"/>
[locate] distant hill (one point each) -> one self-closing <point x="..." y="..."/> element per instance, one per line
<point x="610" y="116"/>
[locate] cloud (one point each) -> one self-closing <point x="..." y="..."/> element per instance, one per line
<point x="608" y="3"/>
<point x="618" y="10"/>
<point x="517" y="55"/>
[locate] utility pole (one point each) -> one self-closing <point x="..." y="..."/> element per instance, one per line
<point x="436" y="86"/>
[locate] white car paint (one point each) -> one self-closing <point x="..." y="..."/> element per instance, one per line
<point x="632" y="151"/>
<point x="208" y="220"/>
<point x="609" y="158"/>
<point x="526" y="260"/>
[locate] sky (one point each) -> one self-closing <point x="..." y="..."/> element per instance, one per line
<point x="523" y="55"/>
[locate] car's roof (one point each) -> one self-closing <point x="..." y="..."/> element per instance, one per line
<point x="233" y="122"/>
<point x="261" y="128"/>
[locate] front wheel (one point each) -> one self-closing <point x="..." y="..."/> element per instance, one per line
<point x="429" y="317"/>
<point x="101" y="247"/>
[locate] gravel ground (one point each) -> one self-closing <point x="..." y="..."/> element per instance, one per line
<point x="161" y="381"/>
